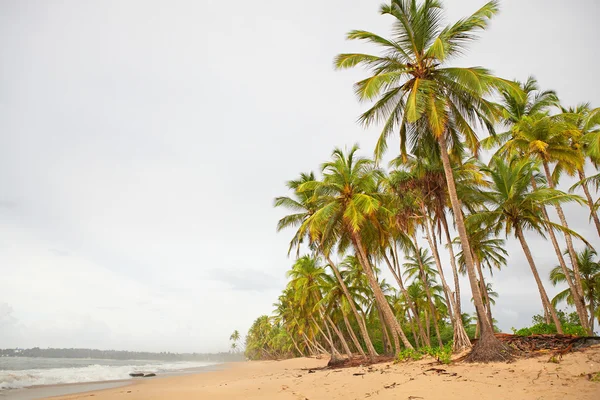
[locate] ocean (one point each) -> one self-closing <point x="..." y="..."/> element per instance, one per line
<point x="24" y="372"/>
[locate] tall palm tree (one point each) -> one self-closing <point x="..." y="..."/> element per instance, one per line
<point x="514" y="206"/>
<point x="550" y="139"/>
<point x="585" y="121"/>
<point x="425" y="179"/>
<point x="589" y="267"/>
<point x="425" y="100"/>
<point x="349" y="204"/>
<point x="304" y="205"/>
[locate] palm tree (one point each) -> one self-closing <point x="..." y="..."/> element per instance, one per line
<point x="585" y="122"/>
<point x="488" y="251"/>
<point x="349" y="202"/>
<point x="304" y="205"/>
<point x="419" y="267"/>
<point x="426" y="181"/>
<point x="514" y="206"/>
<point x="307" y="277"/>
<point x="534" y="132"/>
<point x="234" y="338"/>
<point x="427" y="101"/>
<point x="590" y="277"/>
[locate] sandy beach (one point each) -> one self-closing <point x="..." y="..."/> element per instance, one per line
<point x="533" y="378"/>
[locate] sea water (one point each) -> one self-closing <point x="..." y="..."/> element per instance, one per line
<point x="23" y="372"/>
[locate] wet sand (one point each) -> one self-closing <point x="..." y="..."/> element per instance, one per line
<point x="526" y="379"/>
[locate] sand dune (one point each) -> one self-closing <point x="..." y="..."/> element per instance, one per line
<point x="534" y="379"/>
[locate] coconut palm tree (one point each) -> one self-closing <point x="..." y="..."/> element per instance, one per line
<point x="307" y="277"/>
<point x="514" y="206"/>
<point x="304" y="205"/>
<point x="419" y="266"/>
<point x="488" y="252"/>
<point x="426" y="181"/>
<point x="419" y="95"/>
<point x="589" y="266"/>
<point x="585" y="121"/>
<point x="550" y="139"/>
<point x="349" y="204"/>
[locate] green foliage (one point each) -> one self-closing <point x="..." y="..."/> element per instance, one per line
<point x="569" y="322"/>
<point x="442" y="355"/>
<point x="409" y="354"/>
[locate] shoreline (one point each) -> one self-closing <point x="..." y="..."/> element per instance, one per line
<point x="305" y="378"/>
<point x="76" y="388"/>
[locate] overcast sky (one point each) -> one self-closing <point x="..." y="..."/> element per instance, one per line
<point x="142" y="143"/>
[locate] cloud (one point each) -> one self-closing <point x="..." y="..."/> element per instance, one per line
<point x="246" y="279"/>
<point x="140" y="157"/>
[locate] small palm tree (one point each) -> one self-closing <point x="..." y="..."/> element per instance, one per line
<point x="589" y="268"/>
<point x="234" y="338"/>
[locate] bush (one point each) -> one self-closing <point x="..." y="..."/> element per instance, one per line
<point x="570" y="325"/>
<point x="442" y="355"/>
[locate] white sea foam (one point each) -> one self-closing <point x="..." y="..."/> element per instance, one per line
<point x="17" y="379"/>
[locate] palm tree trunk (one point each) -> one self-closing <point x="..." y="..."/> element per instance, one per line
<point x="296" y="345"/>
<point x="579" y="302"/>
<point x="427" y="291"/>
<point x="590" y="201"/>
<point x="453" y="265"/>
<point x="379" y="296"/>
<point x="461" y="339"/>
<point x="361" y="323"/>
<point x="414" y="333"/>
<point x="488" y="347"/>
<point x="341" y="337"/>
<point x="385" y="337"/>
<point x="308" y="345"/>
<point x="545" y="300"/>
<point x="486" y="296"/>
<point x="328" y="338"/>
<point x="353" y="335"/>
<point x="428" y="324"/>
<point x="570" y="248"/>
<point x="411" y="305"/>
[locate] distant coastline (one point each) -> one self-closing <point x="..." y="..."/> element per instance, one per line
<point x="120" y="354"/>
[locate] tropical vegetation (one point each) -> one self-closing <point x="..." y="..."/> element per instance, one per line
<point x="379" y="247"/>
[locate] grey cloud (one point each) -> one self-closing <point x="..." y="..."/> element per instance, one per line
<point x="150" y="153"/>
<point x="247" y="280"/>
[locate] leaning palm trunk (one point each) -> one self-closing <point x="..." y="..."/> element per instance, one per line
<point x="488" y="347"/>
<point x="461" y="339"/>
<point x="334" y="352"/>
<point x="296" y="345"/>
<point x="341" y="337"/>
<point x="379" y="296"/>
<point x="545" y="300"/>
<point x="353" y="335"/>
<point x="579" y="303"/>
<point x="361" y="324"/>
<point x="414" y="316"/>
<point x="483" y="287"/>
<point x="453" y="265"/>
<point x="428" y="293"/>
<point x="590" y="201"/>
<point x="385" y="337"/>
<point x="570" y="248"/>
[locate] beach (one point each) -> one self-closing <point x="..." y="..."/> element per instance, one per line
<point x="533" y="378"/>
